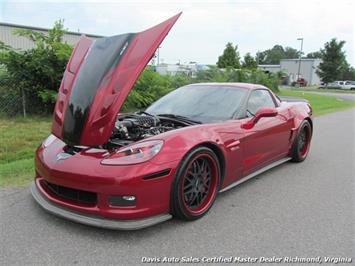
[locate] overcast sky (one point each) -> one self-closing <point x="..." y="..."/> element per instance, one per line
<point x="205" y="27"/>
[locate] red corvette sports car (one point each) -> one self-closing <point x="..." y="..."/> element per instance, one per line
<point x="131" y="170"/>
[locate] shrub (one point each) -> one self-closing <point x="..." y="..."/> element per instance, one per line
<point x="37" y="71"/>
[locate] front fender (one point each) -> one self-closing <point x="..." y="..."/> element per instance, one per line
<point x="179" y="142"/>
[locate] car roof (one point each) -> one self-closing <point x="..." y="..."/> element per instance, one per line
<point x="242" y="85"/>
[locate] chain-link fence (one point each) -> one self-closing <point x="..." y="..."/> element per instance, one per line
<point x="18" y="101"/>
<point x="12" y="100"/>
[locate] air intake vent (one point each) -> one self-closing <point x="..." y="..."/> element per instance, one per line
<point x="79" y="196"/>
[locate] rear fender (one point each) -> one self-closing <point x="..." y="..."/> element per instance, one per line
<point x="300" y="112"/>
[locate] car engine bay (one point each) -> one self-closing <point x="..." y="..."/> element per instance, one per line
<point x="133" y="127"/>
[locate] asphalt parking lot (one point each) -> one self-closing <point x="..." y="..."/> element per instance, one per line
<point x="304" y="210"/>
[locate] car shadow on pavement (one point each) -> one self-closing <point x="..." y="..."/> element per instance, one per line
<point x="77" y="228"/>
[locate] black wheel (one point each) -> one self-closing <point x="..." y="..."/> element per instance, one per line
<point x="302" y="142"/>
<point x="196" y="184"/>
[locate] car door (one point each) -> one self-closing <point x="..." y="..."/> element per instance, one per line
<point x="268" y="139"/>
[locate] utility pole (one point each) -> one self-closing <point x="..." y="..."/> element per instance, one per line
<point x="158" y="55"/>
<point x="23" y="103"/>
<point x="299" y="62"/>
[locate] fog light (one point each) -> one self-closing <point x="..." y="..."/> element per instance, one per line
<point x="122" y="201"/>
<point x="129" y="198"/>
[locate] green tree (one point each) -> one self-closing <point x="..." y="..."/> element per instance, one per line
<point x="230" y="57"/>
<point x="291" y="53"/>
<point x="149" y="87"/>
<point x="249" y="62"/>
<point x="214" y="74"/>
<point x="275" y="54"/>
<point x="349" y="74"/>
<point x="333" y="65"/>
<point x="260" y="57"/>
<point x="317" y="54"/>
<point x="38" y="71"/>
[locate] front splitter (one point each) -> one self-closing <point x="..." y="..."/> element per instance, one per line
<point x="95" y="220"/>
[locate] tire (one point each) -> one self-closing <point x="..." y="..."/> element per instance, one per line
<point x="302" y="142"/>
<point x="196" y="184"/>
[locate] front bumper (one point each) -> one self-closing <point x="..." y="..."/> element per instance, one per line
<point x="95" y="220"/>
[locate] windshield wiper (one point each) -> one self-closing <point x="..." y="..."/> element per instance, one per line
<point x="250" y="113"/>
<point x="181" y="118"/>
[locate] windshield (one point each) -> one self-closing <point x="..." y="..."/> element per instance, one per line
<point x="206" y="103"/>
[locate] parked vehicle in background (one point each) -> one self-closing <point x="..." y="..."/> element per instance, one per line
<point x="333" y="85"/>
<point x="341" y="85"/>
<point x="322" y="85"/>
<point x="301" y="82"/>
<point x="348" y="85"/>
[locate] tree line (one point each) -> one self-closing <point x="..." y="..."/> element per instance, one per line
<point x="37" y="72"/>
<point x="333" y="66"/>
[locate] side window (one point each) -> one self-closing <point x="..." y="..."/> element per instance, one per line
<point x="259" y="99"/>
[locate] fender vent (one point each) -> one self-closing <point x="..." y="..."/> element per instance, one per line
<point x="157" y="174"/>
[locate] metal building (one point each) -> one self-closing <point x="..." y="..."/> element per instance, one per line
<point x="18" y="42"/>
<point x="307" y="68"/>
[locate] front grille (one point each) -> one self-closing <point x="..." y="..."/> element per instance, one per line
<point x="76" y="195"/>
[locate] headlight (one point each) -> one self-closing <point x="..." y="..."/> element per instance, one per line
<point x="48" y="141"/>
<point x="137" y="153"/>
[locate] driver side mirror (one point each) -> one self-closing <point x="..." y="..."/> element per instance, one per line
<point x="262" y="112"/>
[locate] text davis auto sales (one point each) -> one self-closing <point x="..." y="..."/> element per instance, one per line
<point x="237" y="260"/>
